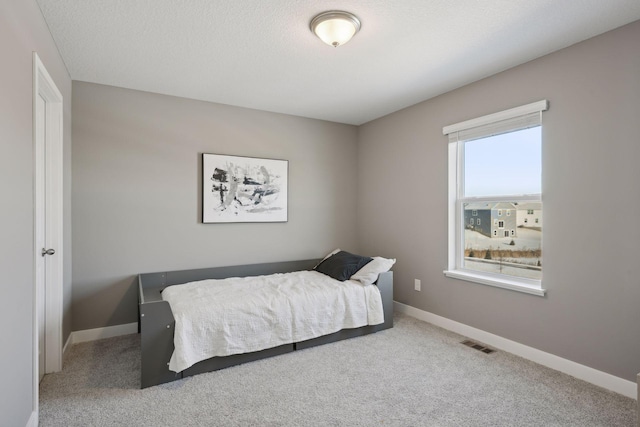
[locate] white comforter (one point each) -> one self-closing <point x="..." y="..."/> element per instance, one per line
<point x="245" y="314"/>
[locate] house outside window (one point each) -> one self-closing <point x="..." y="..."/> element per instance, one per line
<point x="529" y="215"/>
<point x="484" y="184"/>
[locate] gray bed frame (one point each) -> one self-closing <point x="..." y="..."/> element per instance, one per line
<point x="156" y="322"/>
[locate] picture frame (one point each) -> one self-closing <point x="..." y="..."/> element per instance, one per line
<point x="244" y="189"/>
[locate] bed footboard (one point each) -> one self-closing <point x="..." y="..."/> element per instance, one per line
<point x="156" y="326"/>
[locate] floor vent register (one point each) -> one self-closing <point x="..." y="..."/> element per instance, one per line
<point x="477" y="346"/>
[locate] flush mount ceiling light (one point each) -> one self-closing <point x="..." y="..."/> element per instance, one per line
<point x="335" y="27"/>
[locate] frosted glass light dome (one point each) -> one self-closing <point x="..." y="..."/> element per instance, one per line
<point x="335" y="28"/>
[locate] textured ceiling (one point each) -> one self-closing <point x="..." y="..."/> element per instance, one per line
<point x="261" y="54"/>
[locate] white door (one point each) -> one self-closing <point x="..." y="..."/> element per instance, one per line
<point x="48" y="206"/>
<point x="40" y="227"/>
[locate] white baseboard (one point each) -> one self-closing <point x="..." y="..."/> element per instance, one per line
<point x="33" y="420"/>
<point x="585" y="373"/>
<point x="67" y="345"/>
<point x="100" y="333"/>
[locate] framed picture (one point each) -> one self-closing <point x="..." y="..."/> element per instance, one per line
<point x="243" y="189"/>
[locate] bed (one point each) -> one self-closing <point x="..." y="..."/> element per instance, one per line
<point x="157" y="324"/>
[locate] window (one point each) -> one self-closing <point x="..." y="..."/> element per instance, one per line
<point x="474" y="212"/>
<point x="495" y="165"/>
<point x="529" y="211"/>
<point x="471" y="221"/>
<point x="478" y="221"/>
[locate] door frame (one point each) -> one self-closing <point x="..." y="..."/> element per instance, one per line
<point x="45" y="87"/>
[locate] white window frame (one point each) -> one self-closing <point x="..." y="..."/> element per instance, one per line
<point x="498" y="121"/>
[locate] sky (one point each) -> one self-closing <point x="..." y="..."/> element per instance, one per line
<point x="506" y="164"/>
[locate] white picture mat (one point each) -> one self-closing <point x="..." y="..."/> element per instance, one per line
<point x="243" y="189"/>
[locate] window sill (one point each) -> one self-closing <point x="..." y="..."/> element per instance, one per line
<point x="512" y="285"/>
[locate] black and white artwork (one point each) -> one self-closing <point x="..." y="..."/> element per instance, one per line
<point x="243" y="189"/>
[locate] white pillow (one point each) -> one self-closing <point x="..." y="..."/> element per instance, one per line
<point x="369" y="273"/>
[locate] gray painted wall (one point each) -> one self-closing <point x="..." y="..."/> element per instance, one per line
<point x="22" y="31"/>
<point x="591" y="195"/>
<point x="136" y="184"/>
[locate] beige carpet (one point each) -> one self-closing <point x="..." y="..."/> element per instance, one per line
<point x="412" y="375"/>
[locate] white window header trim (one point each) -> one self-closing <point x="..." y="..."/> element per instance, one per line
<point x="534" y="107"/>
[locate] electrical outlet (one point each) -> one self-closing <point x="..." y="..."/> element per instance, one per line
<point x="416" y="285"/>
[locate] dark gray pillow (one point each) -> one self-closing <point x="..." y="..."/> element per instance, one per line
<point x="342" y="265"/>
